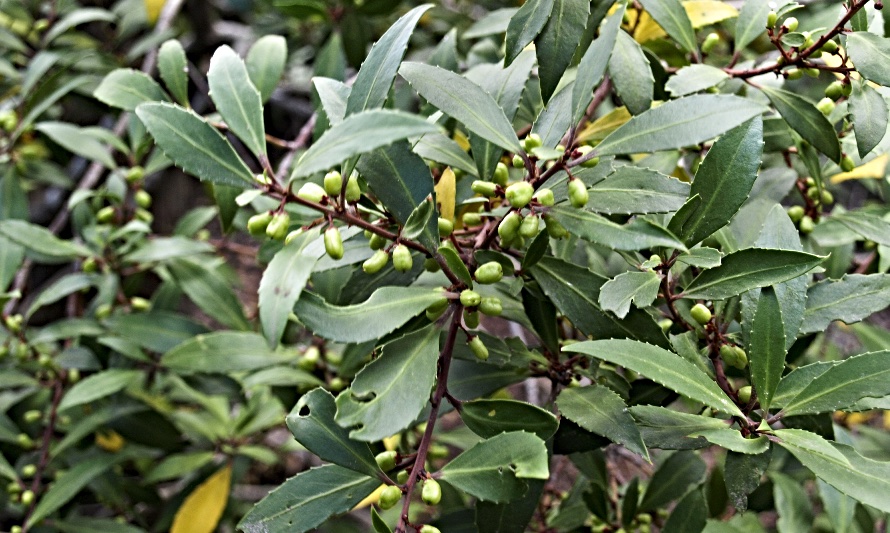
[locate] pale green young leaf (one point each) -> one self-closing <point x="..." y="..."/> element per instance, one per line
<point x="766" y="350"/>
<point x="849" y="299"/>
<point x="870" y="54"/>
<point x="679" y="474"/>
<point x="559" y="38"/>
<point x="661" y="366"/>
<point x="639" y="234"/>
<point x="634" y="190"/>
<point x="631" y="74"/>
<point x="99" y="386"/>
<point x="672" y="17"/>
<point x="641" y="288"/>
<point x="732" y="440"/>
<point x="599" y="410"/>
<point x="236" y="99"/>
<point x="333" y="95"/>
<point x="223" y="351"/>
<point x="525" y="25"/>
<point x="593" y="64"/>
<point x="694" y="78"/>
<point x="126" y="88"/>
<point x="806" y="120"/>
<point x="419" y="219"/>
<point x="488" y="418"/>
<point x="173" y="68"/>
<point x="265" y="63"/>
<point x="870" y="117"/>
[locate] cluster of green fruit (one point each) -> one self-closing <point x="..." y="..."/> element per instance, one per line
<point x="430" y="493"/>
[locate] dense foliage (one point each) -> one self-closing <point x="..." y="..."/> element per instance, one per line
<point x="566" y="266"/>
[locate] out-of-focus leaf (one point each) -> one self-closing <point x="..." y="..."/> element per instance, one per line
<point x="265" y="63"/>
<point x="127" y="88"/>
<point x="202" y="509"/>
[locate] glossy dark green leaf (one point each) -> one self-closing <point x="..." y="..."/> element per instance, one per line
<point x="742" y="473"/>
<point x="236" y="99"/>
<point x="661" y="366"/>
<point x="669" y="429"/>
<point x="99" y="386"/>
<point x="496" y="469"/>
<point x="173" y="68"/>
<point x="870" y="117"/>
<point x="210" y="291"/>
<point x="864" y="224"/>
<point x="127" y="88"/>
<point x="223" y="351"/>
<point x="870" y="54"/>
<point x="306" y="500"/>
<point x="456" y="264"/>
<point x="849" y="299"/>
<point x="265" y="63"/>
<point x="723" y="182"/>
<point x="598" y="409"/>
<point x="194" y="145"/>
<point x="419" y="219"/>
<point x="525" y="25"/>
<point x="555" y="119"/>
<point x="631" y="74"/>
<point x="806" y="120"/>
<point x="672" y="17"/>
<point x="379" y="69"/>
<point x="639" y="234"/>
<point x="389" y="393"/>
<point x="694" y="78"/>
<point x="488" y="418"/>
<point x="441" y="149"/>
<point x="593" y="64"/>
<point x="748" y="269"/>
<point x="766" y="350"/>
<point x="641" y="288"/>
<point x="751" y="22"/>
<point x="689" y="516"/>
<point x="559" y="38"/>
<point x="312" y="424"/>
<point x="732" y="440"/>
<point x="678" y="123"/>
<point x="674" y="479"/>
<point x="510" y="517"/>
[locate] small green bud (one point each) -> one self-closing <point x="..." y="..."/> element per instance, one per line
<point x="89" y="265"/>
<point x="810" y="182"/>
<point x="529" y="226"/>
<point x="402" y="477"/>
<point x="826" y="197"/>
<point x="491" y="306"/>
<point x="386" y="460"/>
<point x="8" y="120"/>
<point x="278" y="226"/>
<point x="401" y="258"/>
<point x="333" y="243"/>
<point x="829" y="47"/>
<point x="27" y="497"/>
<point x="490" y="272"/>
<point x="532" y="141"/>
<point x="311" y="192"/>
<point x="518" y="162"/>
<point x="471" y="319"/>
<point x="509" y="226"/>
<point x="377" y="242"/>
<point x="32" y="416"/>
<point x="590" y="163"/>
<point x="292" y="235"/>
<point x="73" y="375"/>
<point x="847" y="163"/>
<point x="806" y="224"/>
<point x="445" y="227"/>
<point x="103" y="311"/>
<point x="501" y="174"/>
<point x="794" y="74"/>
<point x="140" y="304"/>
<point x="578" y="194"/>
<point x="24" y="441"/>
<point x="665" y="324"/>
<point x="478" y="348"/>
<point x="700" y="314"/>
<point x="790" y="24"/>
<point x="16" y="529"/>
<point x="376" y="262"/>
<point x="144" y="215"/>
<point x="710" y="42"/>
<point x="333" y="183"/>
<point x="257" y="224"/>
<point x="520" y="194"/>
<point x="431" y="492"/>
<point x="337" y="384"/>
<point x="472" y="219"/>
<point x="813" y="193"/>
<point x="734" y="356"/>
<point x="544" y="197"/>
<point x="429" y="529"/>
<point x="353" y="190"/>
<point x="470" y="298"/>
<point x="554" y="228"/>
<point x="105" y="215"/>
<point x="834" y="90"/>
<point x="771" y="18"/>
<point x="143" y="198"/>
<point x="202" y="235"/>
<point x="389" y="497"/>
<point x="825" y="106"/>
<point x="745" y="394"/>
<point x="795" y="213"/>
<point x="134" y="174"/>
<point x="485" y="188"/>
<point x="29" y="470"/>
<point x="13" y="488"/>
<point x="263" y="179"/>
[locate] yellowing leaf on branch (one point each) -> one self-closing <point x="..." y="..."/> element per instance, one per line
<point x="371" y="498"/>
<point x="599" y="129"/>
<point x="446" y="190"/>
<point x="874" y="169"/>
<point x="201" y="511"/>
<point x="701" y="13"/>
<point x="153" y="10"/>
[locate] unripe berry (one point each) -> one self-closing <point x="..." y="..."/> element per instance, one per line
<point x="665" y="324"/>
<point x="73" y="375"/>
<point x="491" y="306"/>
<point x="29" y="470"/>
<point x="520" y="194"/>
<point x="389" y="497"/>
<point x="311" y="192"/>
<point x="103" y="311"/>
<point x="401" y="258"/>
<point x="544" y="197"/>
<point x="142" y="198"/>
<point x="105" y="215"/>
<point x="333" y="243"/>
<point x="813" y="193"/>
<point x="134" y="174"/>
<point x="429" y="529"/>
<point x="258" y="223"/>
<point x="140" y="304"/>
<point x="471" y="319"/>
<point x="827" y="198"/>
<point x="578" y="194"/>
<point x="847" y="163"/>
<point x="431" y="492"/>
<point x="790" y="23"/>
<point x="834" y="90"/>
<point x="431" y="265"/>
<point x="485" y="188"/>
<point x="478" y="348"/>
<point x="700" y="314"/>
<point x="794" y="74"/>
<point x="16" y="529"/>
<point x="812" y="72"/>
<point x="445" y="227"/>
<point x="472" y="219"/>
<point x="529" y="226"/>
<point x="490" y="272"/>
<point x="509" y="226"/>
<point x="27" y="497"/>
<point x="829" y="47"/>
<point x="32" y="416"/>
<point x="795" y="213"/>
<point x="470" y="298"/>
<point x="806" y="224"/>
<point x="745" y="394"/>
<point x="24" y="441"/>
<point x="710" y="42"/>
<point x="292" y="235"/>
<point x="278" y="226"/>
<point x="501" y="174"/>
<point x="847" y="89"/>
<point x="532" y="141"/>
<point x="825" y="106"/>
<point x="518" y="162"/>
<point x="402" y="477"/>
<point x="377" y="242"/>
<point x="386" y="460"/>
<point x="333" y="183"/>
<point x="590" y="163"/>
<point x="554" y="228"/>
<point x="337" y="384"/>
<point x="89" y="265"/>
<point x="353" y="191"/>
<point x="771" y="18"/>
<point x="735" y="356"/>
<point x="376" y="262"/>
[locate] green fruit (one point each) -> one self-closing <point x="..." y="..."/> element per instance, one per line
<point x="134" y="174"/>
<point x="518" y="162"/>
<point x="590" y="163"/>
<point x="429" y="529"/>
<point x="794" y="74"/>
<point x="554" y="228"/>
<point x="278" y="226"/>
<point x="258" y="223"/>
<point x="829" y="47"/>
<point x="710" y="42"/>
<point x="386" y="460"/>
<point x="826" y="197"/>
<point x="292" y="235"/>
<point x="402" y="477"/>
<point x="544" y="197"/>
<point x="471" y="319"/>
<point x="431" y="265"/>
<point x="520" y="194"/>
<point x="103" y="311"/>
<point x="835" y="89"/>
<point x="27" y="497"/>
<point x="445" y="227"/>
<point x="29" y="470"/>
<point x="700" y="314"/>
<point x="529" y="226"/>
<point x="8" y="120"/>
<point x="472" y="219"/>
<point x="665" y="324"/>
<point x="795" y="213"/>
<point x="311" y="192"/>
<point x="140" y="304"/>
<point x="578" y="194"/>
<point x="389" y="497"/>
<point x="401" y="258"/>
<point x="32" y="416"/>
<point x="73" y="375"/>
<point x="491" y="306"/>
<point x="105" y="215"/>
<point x="532" y="141"/>
<point x="811" y="72"/>
<point x="847" y="163"/>
<point x="144" y="216"/>
<point x="740" y="360"/>
<point x="431" y="492"/>
<point x="470" y="298"/>
<point x="501" y="174"/>
<point x="337" y="384"/>
<point x="806" y="224"/>
<point x="847" y="89"/>
<point x="825" y="106"/>
<point x="509" y="226"/>
<point x="790" y="24"/>
<point x="142" y="198"/>
<point x="353" y="191"/>
<point x="377" y="242"/>
<point x="478" y="348"/>
<point x="333" y="243"/>
<point x="433" y="314"/>
<point x="333" y="183"/>
<point x="771" y="18"/>
<point x="24" y="441"/>
<point x="485" y="188"/>
<point x="490" y="272"/>
<point x="813" y="193"/>
<point x="745" y="394"/>
<point x="376" y="262"/>
<point x="89" y="265"/>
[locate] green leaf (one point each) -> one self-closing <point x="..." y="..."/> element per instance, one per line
<point x="870" y="117"/>
<point x="669" y="429"/>
<point x="312" y="424"/>
<point x="389" y="393"/>
<point x="806" y="120"/>
<point x="556" y="43"/>
<point x="732" y="440"/>
<point x="223" y="351"/>
<point x="689" y="516"/>
<point x="839" y="507"/>
<point x="441" y="149"/>
<point x="386" y="309"/>
<point x="870" y="53"/>
<point x="126" y="88"/>
<point x="639" y="234"/>
<point x="631" y="74"/>
<point x="679" y="474"/>
<point x="457" y="265"/>
<point x="40" y="240"/>
<point x="63" y="287"/>
<point x="76" y="18"/>
<point x="178" y="465"/>
<point x="463" y="100"/>
<point x="751" y="22"/>
<point x="236" y="99"/>
<point x="194" y="145"/>
<point x="672" y="17"/>
<point x="554" y="120"/>
<point x="742" y="473"/>
<point x="575" y="292"/>
<point x="842" y="385"/>
<point x="333" y="95"/>
<point x="265" y="63"/>
<point x="379" y="69"/>
<point x="210" y="291"/>
<point x="766" y="350"/>
<point x="864" y="224"/>
<point x="283" y="282"/>
<point x="161" y="249"/>
<point x="701" y="257"/>
<point x="795" y="381"/>
<point x="748" y="269"/>
<point x="792" y="504"/>
<point x="173" y="68"/>
<point x="593" y="64"/>
<point x="306" y="500"/>
<point x="359" y="134"/>
<point x="495" y="469"/>
<point x="98" y="386"/>
<point x="76" y="140"/>
<point x="488" y="418"/>
<point x="491" y="24"/>
<point x="678" y="123"/>
<point x="601" y="411"/>
<point x="694" y="78"/>
<point x="849" y="299"/>
<point x="641" y="288"/>
<point x="723" y="182"/>
<point x="661" y="366"/>
<point x="840" y="466"/>
<point x="378" y="523"/>
<point x="511" y="517"/>
<point x="158" y="331"/>
<point x="525" y="25"/>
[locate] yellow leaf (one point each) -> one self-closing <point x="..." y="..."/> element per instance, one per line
<point x="110" y="441"/>
<point x="391" y="443"/>
<point x="201" y="511"/>
<point x="886" y="419"/>
<point x="371" y="499"/>
<point x="599" y="129"/>
<point x="153" y="10"/>
<point x="462" y="140"/>
<point x="701" y="13"/>
<point x="874" y="169"/>
<point x="446" y="190"/>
